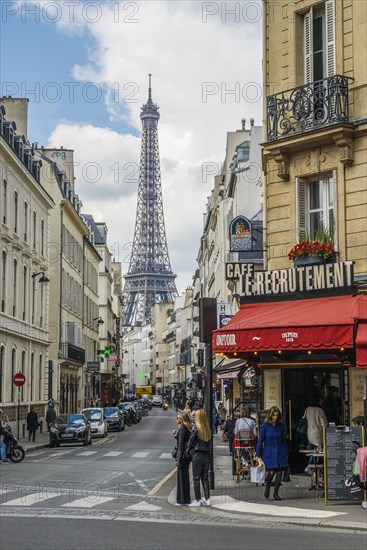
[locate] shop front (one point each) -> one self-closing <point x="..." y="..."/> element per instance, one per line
<point x="311" y="350"/>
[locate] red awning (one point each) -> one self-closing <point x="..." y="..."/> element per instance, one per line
<point x="361" y="345"/>
<point x="316" y="323"/>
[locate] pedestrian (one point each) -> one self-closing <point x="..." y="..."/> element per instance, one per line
<point x="216" y="422"/>
<point x="358" y="420"/>
<point x="272" y="449"/>
<point x="199" y="443"/>
<point x="32" y="424"/>
<point x="2" y="443"/>
<point x="50" y="417"/>
<point x="245" y="423"/>
<point x="222" y="413"/>
<point x="182" y="459"/>
<point x="228" y="430"/>
<point x="316" y="421"/>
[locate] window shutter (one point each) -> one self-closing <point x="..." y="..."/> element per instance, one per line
<point x="330" y="37"/>
<point x="301" y="209"/>
<point x="307" y="46"/>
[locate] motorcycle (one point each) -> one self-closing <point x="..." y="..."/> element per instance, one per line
<point x="14" y="451"/>
<point x="165" y="406"/>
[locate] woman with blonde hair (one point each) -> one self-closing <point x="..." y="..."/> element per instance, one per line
<point x="199" y="443"/>
<point x="182" y="459"/>
<point x="272" y="448"/>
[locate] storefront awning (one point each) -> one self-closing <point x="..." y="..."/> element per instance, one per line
<point x="361" y="345"/>
<point x="312" y="324"/>
<point x="229" y="368"/>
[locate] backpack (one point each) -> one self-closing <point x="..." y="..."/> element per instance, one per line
<point x="302" y="426"/>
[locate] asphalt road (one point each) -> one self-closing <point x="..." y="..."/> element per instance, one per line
<point x="113" y="495"/>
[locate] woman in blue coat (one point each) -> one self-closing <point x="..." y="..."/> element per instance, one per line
<point x="272" y="448"/>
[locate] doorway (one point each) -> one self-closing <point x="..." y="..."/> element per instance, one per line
<point x="306" y="386"/>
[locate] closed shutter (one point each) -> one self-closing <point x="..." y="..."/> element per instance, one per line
<point x="307" y="46"/>
<point x="330" y="37"/>
<point x="301" y="227"/>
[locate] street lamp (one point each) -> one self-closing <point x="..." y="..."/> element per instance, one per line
<point x="42" y="280"/>
<point x="99" y="320"/>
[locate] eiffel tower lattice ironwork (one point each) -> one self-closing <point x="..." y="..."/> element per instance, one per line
<point x="149" y="279"/>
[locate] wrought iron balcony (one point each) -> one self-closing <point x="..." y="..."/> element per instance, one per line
<point x="308" y="107"/>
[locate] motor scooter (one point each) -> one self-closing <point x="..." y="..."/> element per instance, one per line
<point x="14" y="451"/>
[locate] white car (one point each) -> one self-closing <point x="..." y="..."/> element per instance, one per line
<point x="98" y="421"/>
<point x="157" y="400"/>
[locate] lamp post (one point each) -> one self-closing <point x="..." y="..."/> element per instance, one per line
<point x="42" y="280"/>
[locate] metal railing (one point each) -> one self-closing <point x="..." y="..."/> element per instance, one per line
<point x="308" y="107"/>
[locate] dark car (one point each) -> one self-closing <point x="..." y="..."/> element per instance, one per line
<point x="115" y="419"/>
<point x="70" y="428"/>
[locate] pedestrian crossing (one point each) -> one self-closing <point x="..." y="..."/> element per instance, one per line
<point x="42" y="456"/>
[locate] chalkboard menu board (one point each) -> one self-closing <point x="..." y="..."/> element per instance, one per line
<point x="340" y="456"/>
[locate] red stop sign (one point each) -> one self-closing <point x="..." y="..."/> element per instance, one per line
<point x="19" y="379"/>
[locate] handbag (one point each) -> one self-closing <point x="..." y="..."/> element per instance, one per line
<point x="257" y="475"/>
<point x="302" y="426"/>
<point x="174" y="453"/>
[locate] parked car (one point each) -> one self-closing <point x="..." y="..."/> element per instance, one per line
<point x="157" y="400"/>
<point x="70" y="428"/>
<point x="115" y="419"/>
<point x="97" y="419"/>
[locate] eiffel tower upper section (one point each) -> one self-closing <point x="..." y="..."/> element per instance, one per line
<point x="150" y="278"/>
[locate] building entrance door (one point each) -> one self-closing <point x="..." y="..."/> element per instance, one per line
<point x="304" y="387"/>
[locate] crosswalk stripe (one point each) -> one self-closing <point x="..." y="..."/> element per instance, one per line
<point x="166" y="455"/>
<point x="114" y="453"/>
<point x="4" y="491"/>
<point x="139" y="455"/>
<point x="87" y="453"/>
<point x="85" y="503"/>
<point x="33" y="498"/>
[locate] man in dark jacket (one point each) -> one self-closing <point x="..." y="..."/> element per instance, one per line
<point x="50" y="417"/>
<point x="32" y="424"/>
<point x="2" y="443"/>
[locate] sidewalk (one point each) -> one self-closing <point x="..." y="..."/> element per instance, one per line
<point x="42" y="440"/>
<point x="299" y="506"/>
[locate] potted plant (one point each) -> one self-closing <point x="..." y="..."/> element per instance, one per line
<point x="319" y="250"/>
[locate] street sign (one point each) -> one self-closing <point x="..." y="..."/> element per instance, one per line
<point x="93" y="366"/>
<point x="19" y="379"/>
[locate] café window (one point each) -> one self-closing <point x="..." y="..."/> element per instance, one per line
<point x="316" y="207"/>
<point x="319" y="42"/>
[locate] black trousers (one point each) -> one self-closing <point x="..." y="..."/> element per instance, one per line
<point x="200" y="471"/>
<point x="183" y="482"/>
<point x="32" y="433"/>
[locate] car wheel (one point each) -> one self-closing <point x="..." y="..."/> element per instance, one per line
<point x="119" y="428"/>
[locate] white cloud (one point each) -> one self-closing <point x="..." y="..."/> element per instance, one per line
<point x="171" y="41"/>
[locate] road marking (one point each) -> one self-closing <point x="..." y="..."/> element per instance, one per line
<point x="4" y="491"/>
<point x="86" y="502"/>
<point x="161" y="483"/>
<point x="165" y="455"/>
<point x="87" y="453"/>
<point x="114" y="453"/>
<point x="33" y="498"/>
<point x="143" y="507"/>
<point x="139" y="455"/>
<point x="228" y="503"/>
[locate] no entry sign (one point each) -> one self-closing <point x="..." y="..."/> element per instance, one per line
<point x="19" y="379"/>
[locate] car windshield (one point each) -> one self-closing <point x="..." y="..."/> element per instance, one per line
<point x="110" y="411"/>
<point x="69" y="418"/>
<point x="93" y="414"/>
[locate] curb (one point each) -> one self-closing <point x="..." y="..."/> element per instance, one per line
<point x="35" y="448"/>
<point x="259" y="519"/>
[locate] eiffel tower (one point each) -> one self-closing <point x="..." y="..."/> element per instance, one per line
<point x="149" y="279"/>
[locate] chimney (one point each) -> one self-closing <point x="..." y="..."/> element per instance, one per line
<point x="252" y="121"/>
<point x="16" y="108"/>
<point x="243" y="124"/>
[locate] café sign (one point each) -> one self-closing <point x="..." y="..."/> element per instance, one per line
<point x="306" y="278"/>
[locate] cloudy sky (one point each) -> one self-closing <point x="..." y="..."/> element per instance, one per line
<point x="83" y="65"/>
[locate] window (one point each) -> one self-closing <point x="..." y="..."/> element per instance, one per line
<point x="15" y="212"/>
<point x="31" y="377"/>
<point x="15" y="289"/>
<point x="3" y="283"/>
<point x="319" y="42"/>
<point x="13" y="367"/>
<point x="25" y="221"/>
<point x="34" y="229"/>
<point x="42" y="237"/>
<point x="316" y="205"/>
<point x="33" y="298"/>
<point x="23" y="371"/>
<point x="41" y="305"/>
<point x="25" y="281"/>
<point x="40" y="378"/>
<point x="2" y="368"/>
<point x="5" y="200"/>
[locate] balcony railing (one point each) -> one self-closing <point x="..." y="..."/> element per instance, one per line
<point x="308" y="107"/>
<point x="71" y="352"/>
